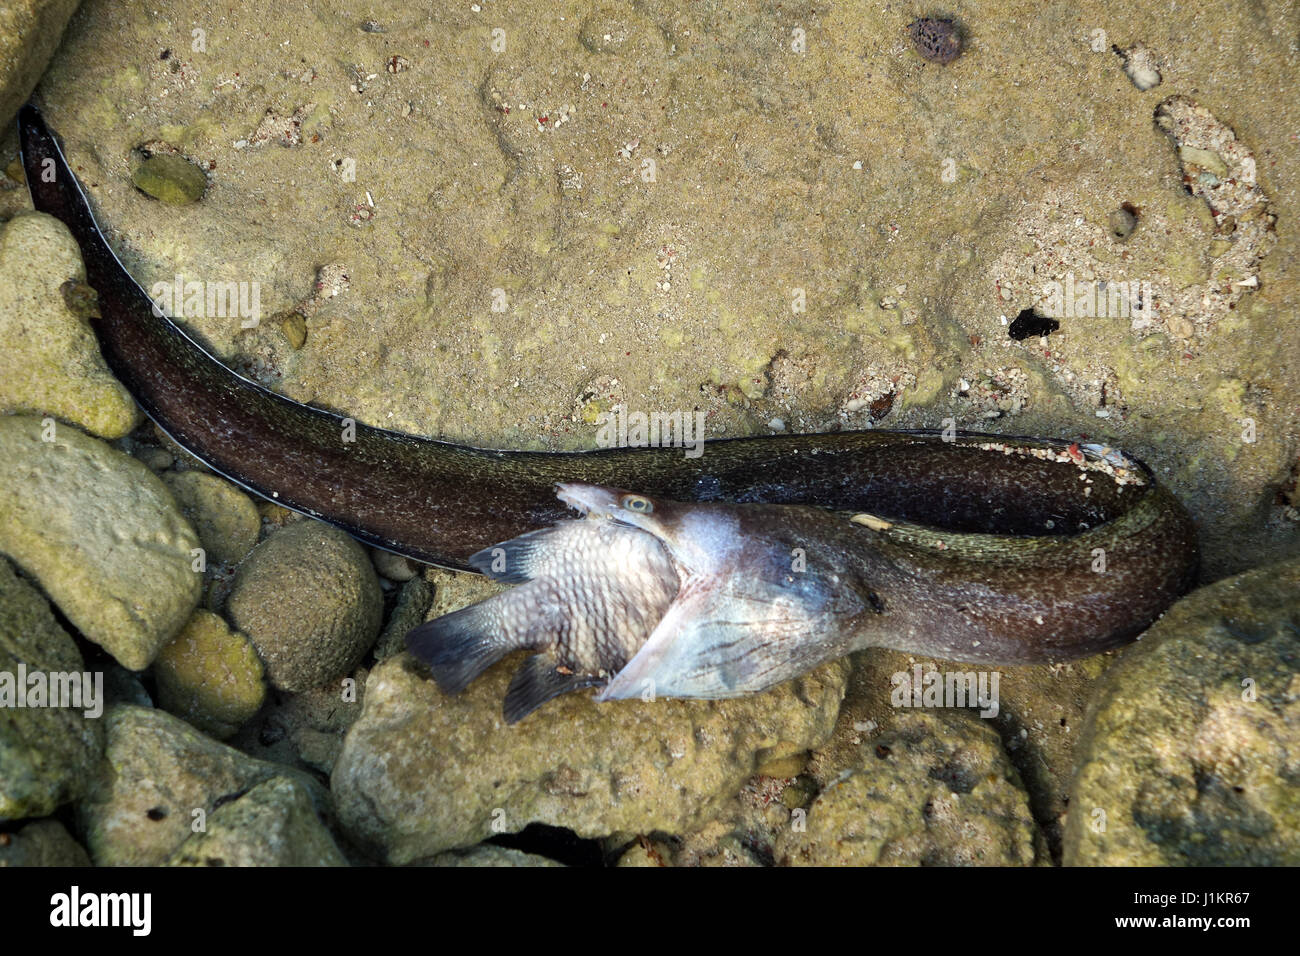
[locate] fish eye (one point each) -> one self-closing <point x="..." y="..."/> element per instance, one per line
<point x="638" y="504"/>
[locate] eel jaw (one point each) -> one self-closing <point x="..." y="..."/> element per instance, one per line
<point x="592" y="500"/>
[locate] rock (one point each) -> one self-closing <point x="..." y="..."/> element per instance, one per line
<point x="305" y="729"/>
<point x="162" y="779"/>
<point x="274" y="824"/>
<point x="46" y="753"/>
<point x="1040" y="714"/>
<point x="171" y="179"/>
<point x="41" y="843"/>
<point x="487" y="854"/>
<point x="50" y="361"/>
<point x="309" y="599"/>
<point x="395" y="567"/>
<point x="102" y="535"/>
<point x="938" y="791"/>
<point x="29" y="35"/>
<point x="1191" y="751"/>
<point x="410" y="610"/>
<point x="210" y="676"/>
<point x="421" y="773"/>
<point x="225" y="518"/>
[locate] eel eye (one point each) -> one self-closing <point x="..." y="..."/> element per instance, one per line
<point x="642" y="506"/>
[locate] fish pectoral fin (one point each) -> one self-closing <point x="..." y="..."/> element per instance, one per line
<point x="537" y="681"/>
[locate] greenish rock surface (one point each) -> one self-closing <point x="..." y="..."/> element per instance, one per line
<point x="421" y="772"/>
<point x="938" y="791"/>
<point x="49" y="360"/>
<point x="210" y="676"/>
<point x="171" y="179"/>
<point x="309" y="600"/>
<point x="273" y="824"/>
<point x="1191" y="754"/>
<point x="410" y="610"/>
<point x="1040" y="715"/>
<point x="46" y="753"/>
<point x="162" y="782"/>
<point x="100" y="532"/>
<point x="225" y="518"/>
<point x="29" y="33"/>
<point x="41" y="843"/>
<point x="305" y="729"/>
<point x="487" y="854"/>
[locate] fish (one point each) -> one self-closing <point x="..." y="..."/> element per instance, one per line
<point x="747" y="596"/>
<point x="1042" y="506"/>
<point x="589" y="593"/>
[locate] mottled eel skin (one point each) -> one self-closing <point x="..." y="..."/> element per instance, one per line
<point x="439" y="502"/>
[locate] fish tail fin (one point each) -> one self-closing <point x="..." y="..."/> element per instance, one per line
<point x="537" y="681"/>
<point x="457" y="647"/>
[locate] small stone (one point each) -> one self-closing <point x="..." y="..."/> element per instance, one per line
<point x="42" y="843"/>
<point x="171" y="179"/>
<point x="225" y="518"/>
<point x="274" y="824"/>
<point x="210" y="676"/>
<point x="309" y="599"/>
<point x="1188" y="755"/>
<point x="161" y="777"/>
<point x="395" y="567"/>
<point x="101" y="533"/>
<point x="939" y="790"/>
<point x="49" y="359"/>
<point x="1140" y="65"/>
<point x="936" y="40"/>
<point x="46" y="753"/>
<point x="410" y="611"/>
<point x="485" y="854"/>
<point x="294" y="327"/>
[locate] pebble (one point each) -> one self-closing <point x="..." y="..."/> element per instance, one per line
<point x="46" y="753"/>
<point x="162" y="782"/>
<point x="171" y="179"/>
<point x="309" y="599"/>
<point x="210" y="676"/>
<point x="101" y="533"/>
<point x="49" y="359"/>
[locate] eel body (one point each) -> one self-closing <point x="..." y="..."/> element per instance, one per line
<point x="990" y="529"/>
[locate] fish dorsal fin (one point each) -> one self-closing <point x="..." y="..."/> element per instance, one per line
<point x="537" y="681"/>
<point x="519" y="559"/>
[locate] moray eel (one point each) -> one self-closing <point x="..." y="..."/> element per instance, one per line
<point x="959" y="545"/>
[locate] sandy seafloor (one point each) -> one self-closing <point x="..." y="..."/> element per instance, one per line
<point x="778" y="215"/>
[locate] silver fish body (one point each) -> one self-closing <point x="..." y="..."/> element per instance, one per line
<point x="590" y="592"/>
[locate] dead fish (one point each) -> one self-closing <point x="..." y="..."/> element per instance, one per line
<point x="751" y="610"/>
<point x="590" y="592"/>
